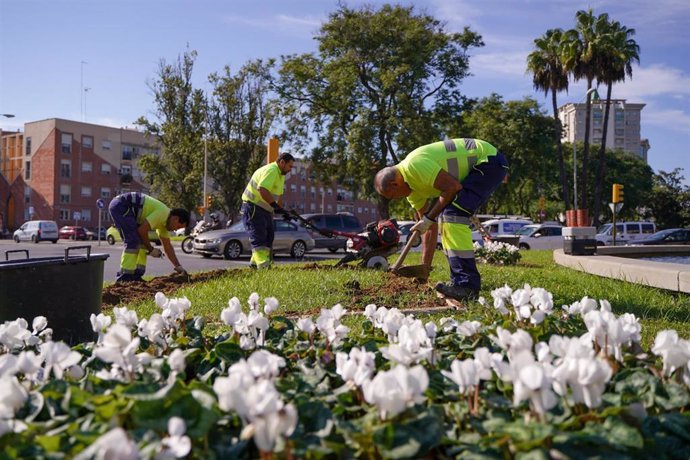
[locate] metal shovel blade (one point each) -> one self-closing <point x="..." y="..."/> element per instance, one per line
<point x="413" y="271"/>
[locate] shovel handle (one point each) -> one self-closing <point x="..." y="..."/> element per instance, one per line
<point x="405" y="250"/>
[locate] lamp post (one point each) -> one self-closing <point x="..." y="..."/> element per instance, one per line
<point x="589" y="92"/>
<point x="206" y="218"/>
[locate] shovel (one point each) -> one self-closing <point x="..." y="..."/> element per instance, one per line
<point x="411" y="271"/>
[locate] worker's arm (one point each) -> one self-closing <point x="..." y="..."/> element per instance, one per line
<point x="169" y="251"/>
<point x="266" y="195"/>
<point x="429" y="238"/>
<point x="143" y="231"/>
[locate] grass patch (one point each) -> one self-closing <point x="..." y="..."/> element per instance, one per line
<point x="302" y="289"/>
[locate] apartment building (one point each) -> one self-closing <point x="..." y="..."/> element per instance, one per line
<point x="623" y="125"/>
<point x="306" y="195"/>
<point x="57" y="170"/>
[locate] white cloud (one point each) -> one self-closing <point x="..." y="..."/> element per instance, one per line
<point x="654" y="80"/>
<point x="457" y="13"/>
<point x="505" y="63"/>
<point x="277" y="22"/>
<point x="674" y="119"/>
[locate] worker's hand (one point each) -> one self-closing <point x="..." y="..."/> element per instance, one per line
<point x="155" y="252"/>
<point x="423" y="225"/>
<point x="326" y="232"/>
<point x="181" y="271"/>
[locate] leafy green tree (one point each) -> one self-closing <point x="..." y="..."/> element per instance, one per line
<point x="619" y="51"/>
<point x="178" y="124"/>
<point x="669" y="201"/>
<point x="549" y="74"/>
<point x="383" y="83"/>
<point x="525" y="134"/>
<point x="241" y="114"/>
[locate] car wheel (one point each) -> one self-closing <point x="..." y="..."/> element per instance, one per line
<point x="524" y="246"/>
<point x="299" y="248"/>
<point x="16" y="239"/>
<point x="111" y="240"/>
<point x="206" y="256"/>
<point x="188" y="245"/>
<point x="232" y="250"/>
<point x="54" y="241"/>
<point x="333" y="250"/>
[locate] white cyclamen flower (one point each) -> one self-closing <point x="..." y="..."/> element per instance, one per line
<point x="12" y="397"/>
<point x="531" y="381"/>
<point x="356" y="367"/>
<point x="115" y="444"/>
<point x="394" y="390"/>
<point x="176" y="360"/>
<point x="126" y="317"/>
<point x="271" y="305"/>
<point x="58" y="357"/>
<point x="39" y="323"/>
<point x="177" y="445"/>
<point x="306" y="325"/>
<point x="465" y="374"/>
<point x="674" y="351"/>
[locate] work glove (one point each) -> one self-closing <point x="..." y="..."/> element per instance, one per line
<point x="280" y="210"/>
<point x="326" y="232"/>
<point x="181" y="271"/>
<point x="423" y="225"/>
<point x="155" y="252"/>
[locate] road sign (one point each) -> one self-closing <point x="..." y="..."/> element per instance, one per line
<point x="76" y="215"/>
<point x="616" y="207"/>
<point x="100" y="203"/>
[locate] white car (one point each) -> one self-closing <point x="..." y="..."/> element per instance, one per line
<point x="541" y="236"/>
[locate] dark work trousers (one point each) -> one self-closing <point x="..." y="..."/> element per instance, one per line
<point x="259" y="225"/>
<point x="124" y="209"/>
<point x="456" y="236"/>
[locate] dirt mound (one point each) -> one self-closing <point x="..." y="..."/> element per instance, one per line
<point x="126" y="293"/>
<point x="396" y="291"/>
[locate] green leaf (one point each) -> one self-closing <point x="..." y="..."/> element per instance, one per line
<point x="411" y="438"/>
<point x="620" y="433"/>
<point x="229" y="352"/>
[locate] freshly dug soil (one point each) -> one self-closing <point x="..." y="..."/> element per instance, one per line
<point x="126" y="293"/>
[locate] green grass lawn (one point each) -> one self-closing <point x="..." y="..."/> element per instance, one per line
<point x="302" y="289"/>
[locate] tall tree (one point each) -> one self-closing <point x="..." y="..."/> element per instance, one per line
<point x="384" y="82"/>
<point x="581" y="56"/>
<point x="549" y="74"/>
<point x="175" y="175"/>
<point x="241" y="115"/>
<point x="669" y="201"/>
<point x="619" y="52"/>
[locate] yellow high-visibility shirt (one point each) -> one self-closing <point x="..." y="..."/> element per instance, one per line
<point x="268" y="177"/>
<point x="156" y="213"/>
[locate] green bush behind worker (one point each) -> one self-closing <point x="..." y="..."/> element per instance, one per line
<point x="259" y="204"/>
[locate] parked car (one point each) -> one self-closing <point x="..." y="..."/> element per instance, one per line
<point x="541" y="236"/>
<point x="92" y="235"/>
<point x="112" y="236"/>
<point x="37" y="231"/>
<point x="626" y="232"/>
<point x="501" y="227"/>
<point x="72" y="232"/>
<point x="668" y="236"/>
<point x="343" y="222"/>
<point x="233" y="242"/>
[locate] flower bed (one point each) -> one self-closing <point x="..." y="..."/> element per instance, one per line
<point x="526" y="378"/>
<point x="496" y="252"/>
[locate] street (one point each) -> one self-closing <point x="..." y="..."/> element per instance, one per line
<point x="154" y="267"/>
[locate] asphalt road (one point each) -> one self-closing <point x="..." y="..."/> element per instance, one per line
<point x="154" y="267"/>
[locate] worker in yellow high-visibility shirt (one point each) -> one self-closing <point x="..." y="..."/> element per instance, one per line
<point x="461" y="174"/>
<point x="260" y="201"/>
<point x="134" y="215"/>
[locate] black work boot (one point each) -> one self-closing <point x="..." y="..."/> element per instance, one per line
<point x="457" y="292"/>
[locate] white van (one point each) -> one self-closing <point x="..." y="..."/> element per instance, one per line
<point x="501" y="227"/>
<point x="548" y="235"/>
<point x="626" y="232"/>
<point x="37" y="231"/>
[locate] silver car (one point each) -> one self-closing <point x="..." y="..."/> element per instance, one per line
<point x="233" y="242"/>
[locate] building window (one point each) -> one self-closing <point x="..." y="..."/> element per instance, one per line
<point x="27" y="170"/>
<point x="330" y="192"/>
<point x="302" y="191"/>
<point x="27" y="194"/>
<point x="619" y="141"/>
<point x="85" y="190"/>
<point x="86" y="215"/>
<point x="313" y="192"/>
<point x="86" y="166"/>
<point x="126" y="169"/>
<point x="105" y="192"/>
<point x="65" y="169"/>
<point x="66" y="142"/>
<point x="28" y="146"/>
<point x="620" y="132"/>
<point x="293" y="188"/>
<point x="106" y="145"/>
<point x="127" y="152"/>
<point x="596" y="140"/>
<point x="330" y="208"/>
<point x="64" y="214"/>
<point x="105" y="168"/>
<point x="312" y="207"/>
<point x="87" y="142"/>
<point x="65" y="192"/>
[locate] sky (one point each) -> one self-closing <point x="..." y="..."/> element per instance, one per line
<point x="94" y="60"/>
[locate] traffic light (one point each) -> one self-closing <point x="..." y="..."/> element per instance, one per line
<point x="617" y="193"/>
<point x="209" y="201"/>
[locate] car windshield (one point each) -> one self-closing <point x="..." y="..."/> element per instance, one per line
<point x="527" y="230"/>
<point x="662" y="233"/>
<point x="604" y="228"/>
<point x="238" y="227"/>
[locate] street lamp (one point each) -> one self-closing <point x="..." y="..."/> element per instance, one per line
<point x="587" y="94"/>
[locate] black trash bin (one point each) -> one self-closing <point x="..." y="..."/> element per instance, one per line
<point x="66" y="290"/>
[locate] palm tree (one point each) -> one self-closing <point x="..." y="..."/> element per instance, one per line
<point x="549" y="74"/>
<point x="581" y="56"/>
<point x="620" y="51"/>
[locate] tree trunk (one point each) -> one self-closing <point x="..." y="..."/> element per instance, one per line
<point x="601" y="163"/>
<point x="559" y="151"/>
<point x="585" y="153"/>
